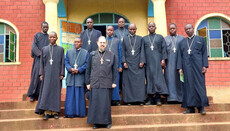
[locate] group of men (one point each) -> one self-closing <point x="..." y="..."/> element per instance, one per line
<point x="147" y="68"/>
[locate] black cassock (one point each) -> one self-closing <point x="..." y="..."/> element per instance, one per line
<point x="154" y="75"/>
<point x="172" y="76"/>
<point x="121" y="33"/>
<point x="194" y="91"/>
<point x="40" y="40"/>
<point x="90" y="44"/>
<point x="133" y="80"/>
<point x="50" y="93"/>
<point x="100" y="77"/>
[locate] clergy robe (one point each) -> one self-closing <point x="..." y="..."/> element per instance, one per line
<point x="40" y="40"/>
<point x="94" y="37"/>
<point x="75" y="92"/>
<point x="121" y="33"/>
<point x="172" y="76"/>
<point x="194" y="91"/>
<point x="50" y="93"/>
<point x="100" y="77"/>
<point x="114" y="45"/>
<point x="133" y="83"/>
<point x="154" y="75"/>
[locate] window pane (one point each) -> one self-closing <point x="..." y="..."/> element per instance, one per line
<point x="95" y="19"/>
<point x="215" y="34"/>
<point x="1" y="28"/>
<point x="1" y="58"/>
<point x="214" y="23"/>
<point x="118" y="17"/>
<point x="106" y="18"/>
<point x="203" y="24"/>
<point x="225" y="25"/>
<point x="226" y="42"/>
<point x="202" y="32"/>
<point x="1" y="39"/>
<point x="67" y="46"/>
<point x="215" y="44"/>
<point x="216" y="52"/>
<point x="1" y="48"/>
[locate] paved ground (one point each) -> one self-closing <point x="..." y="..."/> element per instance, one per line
<point x="220" y="95"/>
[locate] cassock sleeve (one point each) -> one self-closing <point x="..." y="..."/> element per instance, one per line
<point x="142" y="59"/>
<point x="88" y="70"/>
<point x="63" y="63"/>
<point x="179" y="56"/>
<point x="115" y="70"/>
<point x="41" y="70"/>
<point x="67" y="65"/>
<point x="163" y="49"/>
<point x="119" y="54"/>
<point x="83" y="67"/>
<point x="123" y="52"/>
<point x="204" y="54"/>
<point x="34" y="49"/>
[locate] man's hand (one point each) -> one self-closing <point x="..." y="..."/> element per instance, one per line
<point x="71" y="70"/>
<point x="61" y="77"/>
<point x="120" y="69"/>
<point x="141" y="65"/>
<point x="204" y="70"/>
<point x="88" y="87"/>
<point x="41" y="77"/>
<point x="180" y="71"/>
<point x="125" y="65"/>
<point x="114" y="85"/>
<point x="76" y="71"/>
<point x="163" y="64"/>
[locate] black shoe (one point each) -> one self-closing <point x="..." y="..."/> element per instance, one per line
<point x="95" y="126"/>
<point x="108" y="126"/>
<point x="189" y="111"/>
<point x="159" y="103"/>
<point x="46" y="117"/>
<point x="56" y="116"/>
<point x="202" y="112"/>
<point x="32" y="99"/>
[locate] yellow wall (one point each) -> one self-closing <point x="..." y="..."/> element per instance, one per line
<point x="134" y="10"/>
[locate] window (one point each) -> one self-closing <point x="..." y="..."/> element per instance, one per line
<point x="7" y="43"/>
<point x="216" y="31"/>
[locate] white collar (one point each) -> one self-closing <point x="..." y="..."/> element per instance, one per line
<point x="191" y="36"/>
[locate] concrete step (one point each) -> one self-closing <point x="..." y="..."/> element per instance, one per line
<point x="117" y="120"/>
<point x="211" y="126"/>
<point x="117" y="110"/>
<point x="32" y="105"/>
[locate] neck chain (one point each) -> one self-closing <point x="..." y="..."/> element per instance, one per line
<point x="110" y="46"/>
<point x="51" y="54"/>
<point x="101" y="57"/>
<point x="89" y="36"/>
<point x="132" y="47"/>
<point x="189" y="46"/>
<point x="75" y="62"/>
<point x="174" y="43"/>
<point x="121" y="35"/>
<point x="152" y="42"/>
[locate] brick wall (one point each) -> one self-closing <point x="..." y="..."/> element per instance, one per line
<point x="26" y="15"/>
<point x="182" y="12"/>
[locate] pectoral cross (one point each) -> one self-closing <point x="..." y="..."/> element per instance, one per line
<point x="75" y="66"/>
<point x="189" y="51"/>
<point x="89" y="42"/>
<point x="151" y="47"/>
<point x="133" y="52"/>
<point x="121" y="39"/>
<point x="101" y="60"/>
<point x="51" y="61"/>
<point x="174" y="50"/>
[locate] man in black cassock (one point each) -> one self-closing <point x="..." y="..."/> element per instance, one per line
<point x="114" y="45"/>
<point x="155" y="54"/>
<point x="40" y="40"/>
<point x="133" y="59"/>
<point x="172" y="76"/>
<point x="193" y="63"/>
<point x="52" y="71"/>
<point x="101" y="78"/>
<point x="89" y="36"/>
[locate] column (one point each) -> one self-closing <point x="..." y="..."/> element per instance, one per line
<point x="160" y="17"/>
<point x="51" y="14"/>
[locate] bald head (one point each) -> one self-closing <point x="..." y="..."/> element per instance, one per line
<point x="189" y="29"/>
<point x="53" y="37"/>
<point x="121" y="22"/>
<point x="152" y="27"/>
<point x="132" y="29"/>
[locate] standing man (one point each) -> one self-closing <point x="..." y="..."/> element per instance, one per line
<point x="155" y="54"/>
<point x="133" y="59"/>
<point x="193" y="63"/>
<point x="114" y="45"/>
<point x="89" y="36"/>
<point x="121" y="32"/>
<point x="52" y="71"/>
<point x="40" y="40"/>
<point x="76" y="62"/>
<point x="172" y="76"/>
<point x="101" y="77"/>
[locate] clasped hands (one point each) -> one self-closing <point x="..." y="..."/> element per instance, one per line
<point x="88" y="86"/>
